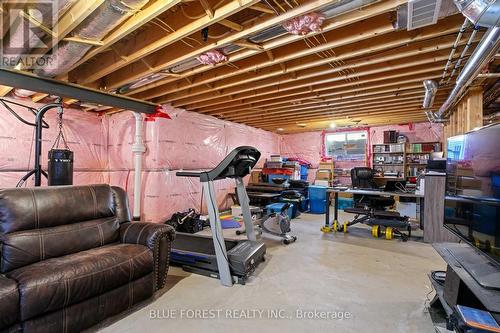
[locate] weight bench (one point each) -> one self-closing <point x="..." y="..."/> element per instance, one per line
<point x="392" y="222"/>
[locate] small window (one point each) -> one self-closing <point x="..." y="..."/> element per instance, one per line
<point x="346" y="145"/>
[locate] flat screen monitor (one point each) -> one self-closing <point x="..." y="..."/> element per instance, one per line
<point x="472" y="204"/>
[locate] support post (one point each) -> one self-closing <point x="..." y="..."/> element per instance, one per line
<point x="138" y="148"/>
<point x="217" y="235"/>
<point x="245" y="209"/>
<point x="38" y="141"/>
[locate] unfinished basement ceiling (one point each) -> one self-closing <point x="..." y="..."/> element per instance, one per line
<point x="363" y="68"/>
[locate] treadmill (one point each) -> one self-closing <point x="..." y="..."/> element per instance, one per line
<point x="231" y="261"/>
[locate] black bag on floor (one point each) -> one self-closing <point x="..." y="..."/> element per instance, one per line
<point x="188" y="221"/>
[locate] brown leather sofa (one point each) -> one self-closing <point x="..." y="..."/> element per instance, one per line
<point x="71" y="257"/>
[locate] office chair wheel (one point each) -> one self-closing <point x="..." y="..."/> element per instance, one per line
<point x="286" y="241"/>
<point x="376" y="231"/>
<point x="345" y="227"/>
<point x="389" y="233"/>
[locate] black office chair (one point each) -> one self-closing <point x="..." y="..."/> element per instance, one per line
<point x="363" y="178"/>
<point x="372" y="209"/>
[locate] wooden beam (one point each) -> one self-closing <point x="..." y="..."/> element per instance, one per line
<point x="231" y="25"/>
<point x="139" y="48"/>
<point x="344" y="110"/>
<point x="283" y="100"/>
<point x="474" y="115"/>
<point x="262" y="8"/>
<point x="75" y="15"/>
<point x="140" y="18"/>
<point x="269" y="86"/>
<point x="333" y="104"/>
<point x="37" y="23"/>
<point x="4" y="90"/>
<point x="249" y="45"/>
<point x="38" y="97"/>
<point x="84" y="41"/>
<point x="391" y="109"/>
<point x="208" y="9"/>
<point x="395" y="80"/>
<point x="352" y="51"/>
<point x="168" y="58"/>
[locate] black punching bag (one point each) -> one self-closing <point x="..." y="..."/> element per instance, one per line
<point x="60" y="167"/>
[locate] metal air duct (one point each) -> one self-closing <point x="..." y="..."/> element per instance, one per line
<point x="95" y="27"/>
<point x="482" y="54"/>
<point x="431" y="88"/>
<point x="485" y="13"/>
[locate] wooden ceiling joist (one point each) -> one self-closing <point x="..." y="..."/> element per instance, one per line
<point x="262" y="8"/>
<point x="168" y="58"/>
<point x="389" y="78"/>
<point x="139" y="19"/>
<point x="348" y="110"/>
<point x="363" y="89"/>
<point x="231" y="25"/>
<point x="271" y="86"/>
<point x="154" y="40"/>
<point x="373" y="38"/>
<point x="336" y="23"/>
<point x="339" y="103"/>
<point x="407" y="109"/>
<point x="351" y="52"/>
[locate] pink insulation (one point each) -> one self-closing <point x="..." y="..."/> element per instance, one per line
<point x="103" y="153"/>
<point x="189" y="141"/>
<point x="85" y="134"/>
<point x="212" y="57"/>
<point x="302" y="25"/>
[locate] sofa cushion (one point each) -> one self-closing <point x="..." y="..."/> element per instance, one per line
<point x="59" y="282"/>
<point x="44" y="207"/>
<point x="23" y="248"/>
<point x="41" y="223"/>
<point x="9" y="302"/>
<point x="83" y="315"/>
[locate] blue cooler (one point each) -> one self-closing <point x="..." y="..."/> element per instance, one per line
<point x="345" y="203"/>
<point x="317" y="206"/>
<point x="317" y="192"/>
<point x="277" y="207"/>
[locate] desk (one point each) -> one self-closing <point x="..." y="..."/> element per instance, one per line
<point x="329" y="191"/>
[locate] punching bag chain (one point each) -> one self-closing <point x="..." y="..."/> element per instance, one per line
<point x="60" y="135"/>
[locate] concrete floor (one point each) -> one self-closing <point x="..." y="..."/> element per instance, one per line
<point x="381" y="285"/>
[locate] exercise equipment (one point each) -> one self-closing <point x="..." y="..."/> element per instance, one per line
<point x="39" y="125"/>
<point x="60" y="164"/>
<point x="231" y="261"/>
<point x="276" y="224"/>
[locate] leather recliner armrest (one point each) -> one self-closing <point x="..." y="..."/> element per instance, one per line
<point x="158" y="238"/>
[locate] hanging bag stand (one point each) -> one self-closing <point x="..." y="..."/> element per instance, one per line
<point x="39" y="125"/>
<point x="60" y="160"/>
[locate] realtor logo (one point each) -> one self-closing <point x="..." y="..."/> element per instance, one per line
<point x="27" y="31"/>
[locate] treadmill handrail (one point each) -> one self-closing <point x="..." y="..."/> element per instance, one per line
<point x="226" y="166"/>
<point x="188" y="174"/>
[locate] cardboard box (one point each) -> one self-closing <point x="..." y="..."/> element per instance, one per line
<point x="326" y="166"/>
<point x="468" y="183"/>
<point x="255" y="177"/>
<point x="324" y="175"/>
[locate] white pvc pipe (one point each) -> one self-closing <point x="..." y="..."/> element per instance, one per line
<point x="138" y="148"/>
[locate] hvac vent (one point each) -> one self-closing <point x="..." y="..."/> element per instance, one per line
<point x="422" y="13"/>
